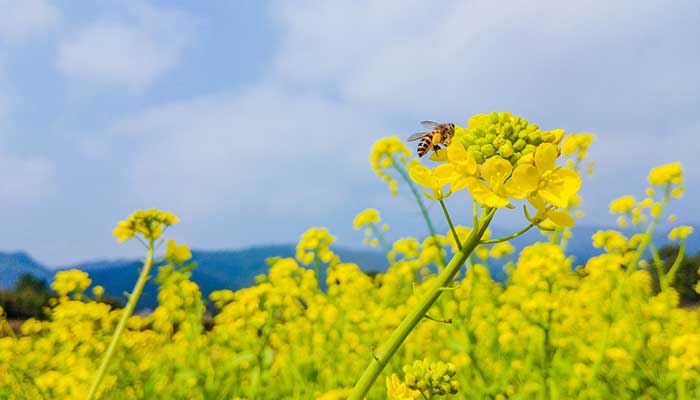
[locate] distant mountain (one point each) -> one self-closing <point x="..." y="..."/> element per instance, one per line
<point x="225" y="269"/>
<point x="235" y="269"/>
<point x="13" y="265"/>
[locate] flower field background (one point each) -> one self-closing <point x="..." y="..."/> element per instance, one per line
<point x="434" y="325"/>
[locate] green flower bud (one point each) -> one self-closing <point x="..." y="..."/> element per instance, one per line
<point x="529" y="149"/>
<point x="534" y="138"/>
<point x="519" y="144"/>
<point x="508" y="130"/>
<point x="410" y="380"/>
<point x="506" y="150"/>
<point x="498" y="141"/>
<point x="454" y="387"/>
<point x="493" y="118"/>
<point x="547" y="137"/>
<point x="451" y="369"/>
<point x="422" y="385"/>
<point x="488" y="150"/>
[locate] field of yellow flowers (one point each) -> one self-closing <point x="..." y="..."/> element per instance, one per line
<point x="435" y="325"/>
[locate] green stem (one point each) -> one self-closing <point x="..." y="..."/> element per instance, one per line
<point x="317" y="267"/>
<point x="509" y="237"/>
<point x="380" y="238"/>
<point x="419" y="200"/>
<point x="376" y="366"/>
<point x="632" y="266"/>
<point x="658" y="263"/>
<point x="126" y="313"/>
<point x="449" y="222"/>
<point x="668" y="279"/>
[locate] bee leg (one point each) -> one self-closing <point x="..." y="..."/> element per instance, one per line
<point x="437" y="138"/>
<point x="436" y="147"/>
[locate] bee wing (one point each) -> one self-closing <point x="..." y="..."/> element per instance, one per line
<point x="417" y="136"/>
<point x="429" y="124"/>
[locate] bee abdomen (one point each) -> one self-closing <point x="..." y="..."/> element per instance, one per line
<point x="424" y="145"/>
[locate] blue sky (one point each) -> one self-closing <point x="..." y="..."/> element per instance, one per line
<point x="253" y="120"/>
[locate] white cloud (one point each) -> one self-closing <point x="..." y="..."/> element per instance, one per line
<point x="132" y="51"/>
<point x="294" y="145"/>
<point x="462" y="57"/>
<point x="23" y="179"/>
<point x="264" y="149"/>
<point x="20" y="19"/>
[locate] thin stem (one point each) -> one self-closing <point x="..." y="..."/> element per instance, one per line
<point x="126" y="313"/>
<point x="317" y="266"/>
<point x="670" y="277"/>
<point x="419" y="200"/>
<point x="415" y="315"/>
<point x="509" y="237"/>
<point x="380" y="238"/>
<point x="449" y="222"/>
<point x="632" y="266"/>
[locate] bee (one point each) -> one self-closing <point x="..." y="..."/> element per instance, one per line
<point x="439" y="134"/>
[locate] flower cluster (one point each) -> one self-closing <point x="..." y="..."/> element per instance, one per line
<point x="511" y="137"/>
<point x="314" y="246"/>
<point x="370" y="220"/>
<point x="431" y="378"/>
<point x="147" y="223"/>
<point x="389" y="153"/>
<point x="497" y="175"/>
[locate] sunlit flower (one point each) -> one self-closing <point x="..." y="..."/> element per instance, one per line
<point x="680" y="232"/>
<point x="666" y="174"/>
<point x="397" y="390"/>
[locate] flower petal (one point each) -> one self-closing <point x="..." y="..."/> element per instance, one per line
<point x="545" y="157"/>
<point x="558" y="188"/>
<point x="422" y="175"/>
<point x="523" y="182"/>
<point x="496" y="170"/>
<point x="439" y="156"/>
<point x="456" y="152"/>
<point x="483" y="195"/>
<point x="537" y="202"/>
<point x="561" y="218"/>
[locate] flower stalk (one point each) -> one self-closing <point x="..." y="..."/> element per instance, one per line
<point x="409" y="323"/>
<point x="126" y="313"/>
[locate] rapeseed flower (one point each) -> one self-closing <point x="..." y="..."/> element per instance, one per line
<point x="147" y="223"/>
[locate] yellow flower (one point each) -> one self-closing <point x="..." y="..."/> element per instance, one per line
<point x="666" y="174"/>
<point x="556" y="185"/>
<point x="498" y="184"/>
<point x="177" y="253"/>
<point x="432" y="179"/>
<point x="500" y="250"/>
<point x="98" y="291"/>
<point x="385" y="153"/>
<point x="577" y="143"/>
<point x="680" y="232"/>
<point x="147" y="223"/>
<point x="397" y="390"/>
<point x="622" y="205"/>
<point x="315" y="244"/>
<point x="69" y="281"/>
<point x="367" y="216"/>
